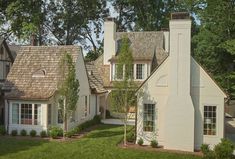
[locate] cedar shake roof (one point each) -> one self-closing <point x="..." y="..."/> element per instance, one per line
<point x="95" y="81"/>
<point x="35" y="72"/>
<point x="142" y="44"/>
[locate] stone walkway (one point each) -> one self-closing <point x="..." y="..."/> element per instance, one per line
<point x="117" y="121"/>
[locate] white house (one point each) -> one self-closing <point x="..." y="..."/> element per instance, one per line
<point x="31" y="89"/>
<point x="148" y="51"/>
<point x="179" y="104"/>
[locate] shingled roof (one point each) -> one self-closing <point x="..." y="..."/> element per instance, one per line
<point x="142" y="44"/>
<point x="35" y="72"/>
<point x="95" y="80"/>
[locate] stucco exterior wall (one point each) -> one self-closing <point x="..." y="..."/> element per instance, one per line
<point x="203" y="91"/>
<point x="153" y="91"/>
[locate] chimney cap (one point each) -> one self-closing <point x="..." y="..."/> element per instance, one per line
<point x="110" y="19"/>
<point x="180" y="15"/>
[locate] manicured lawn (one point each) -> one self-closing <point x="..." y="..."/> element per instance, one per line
<point x="98" y="144"/>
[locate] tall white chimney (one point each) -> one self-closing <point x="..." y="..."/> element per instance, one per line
<point x="109" y="39"/>
<point x="179" y="117"/>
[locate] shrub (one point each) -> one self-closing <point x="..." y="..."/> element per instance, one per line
<point x="14" y="132"/>
<point x="43" y="133"/>
<point x="69" y="134"/>
<point x="140" y="141"/>
<point x="154" y="143"/>
<point x="32" y="133"/>
<point x="97" y="119"/>
<point x="2" y="130"/>
<point x="55" y="132"/>
<point x="23" y="132"/>
<point x="130" y="137"/>
<point x="224" y="149"/>
<point x="108" y="115"/>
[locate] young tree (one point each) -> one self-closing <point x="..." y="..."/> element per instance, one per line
<point x="123" y="95"/>
<point x="68" y="89"/>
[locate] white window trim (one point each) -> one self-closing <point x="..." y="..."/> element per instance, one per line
<point x="20" y="113"/>
<point x="217" y="130"/>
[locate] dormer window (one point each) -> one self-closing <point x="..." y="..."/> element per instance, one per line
<point x="39" y="73"/>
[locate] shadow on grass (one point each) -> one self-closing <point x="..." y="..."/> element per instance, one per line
<point x="13" y="145"/>
<point x="105" y="131"/>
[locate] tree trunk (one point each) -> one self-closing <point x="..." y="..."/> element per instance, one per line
<point x="125" y="123"/>
<point x="64" y="119"/>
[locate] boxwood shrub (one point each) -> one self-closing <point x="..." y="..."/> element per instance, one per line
<point x="23" y="132"/>
<point x="33" y="133"/>
<point x="14" y="132"/>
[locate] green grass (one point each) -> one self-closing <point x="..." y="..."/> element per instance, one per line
<point x="98" y="144"/>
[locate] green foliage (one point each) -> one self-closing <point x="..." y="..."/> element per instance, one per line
<point x="69" y="134"/>
<point x="131" y="135"/>
<point x="23" y="132"/>
<point x="14" y="132"/>
<point x="2" y="130"/>
<point x="55" y="132"/>
<point x="68" y="88"/>
<point x="154" y="144"/>
<point x="32" y="133"/>
<point x="140" y="141"/>
<point x="43" y="133"/>
<point x="223" y="150"/>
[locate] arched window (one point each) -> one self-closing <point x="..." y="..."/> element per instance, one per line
<point x="39" y="73"/>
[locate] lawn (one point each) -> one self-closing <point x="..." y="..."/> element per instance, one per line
<point x="98" y="144"/>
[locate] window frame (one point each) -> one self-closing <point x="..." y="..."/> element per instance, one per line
<point x="19" y="115"/>
<point x="211" y="117"/>
<point x="153" y="116"/>
<point x="142" y="73"/>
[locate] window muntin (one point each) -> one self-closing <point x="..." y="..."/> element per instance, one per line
<point x="139" y="71"/>
<point x="37" y="114"/>
<point x="209" y="120"/>
<point x="15" y="113"/>
<point x="149" y="117"/>
<point x="26" y="114"/>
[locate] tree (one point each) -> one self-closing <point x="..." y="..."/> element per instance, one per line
<point x="214" y="44"/>
<point x="64" y="22"/>
<point x="68" y="89"/>
<point x="123" y="95"/>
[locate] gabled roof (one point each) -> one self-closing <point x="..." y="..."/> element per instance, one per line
<point x="10" y="54"/>
<point x="35" y="72"/>
<point x="95" y="80"/>
<point x="142" y="44"/>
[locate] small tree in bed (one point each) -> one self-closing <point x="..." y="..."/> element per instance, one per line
<point x="123" y="95"/>
<point x="68" y="89"/>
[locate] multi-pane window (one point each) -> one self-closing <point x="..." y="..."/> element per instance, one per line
<point x="26" y="114"/>
<point x="15" y="113"/>
<point x="149" y="117"/>
<point x="118" y="71"/>
<point x="37" y="114"/>
<point x="139" y="71"/>
<point x="209" y="120"/>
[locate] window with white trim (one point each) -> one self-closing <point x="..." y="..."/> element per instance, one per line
<point x="119" y="69"/>
<point x="15" y="113"/>
<point x="49" y="114"/>
<point x="140" y="71"/>
<point x="149" y="117"/>
<point x="209" y="120"/>
<point x="26" y="113"/>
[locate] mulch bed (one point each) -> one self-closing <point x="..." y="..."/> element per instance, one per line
<point x="159" y="149"/>
<point x="59" y="139"/>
